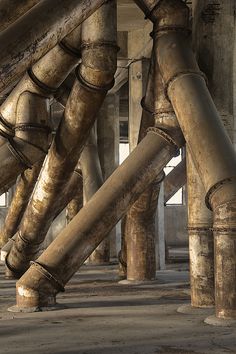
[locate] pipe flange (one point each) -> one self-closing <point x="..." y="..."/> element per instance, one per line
<point x="69" y="49"/>
<point x="180" y="74"/>
<point x="102" y="44"/>
<point x="18" y="154"/>
<point x="199" y="229"/>
<point x="90" y="86"/>
<point x="47" y="90"/>
<point x="165" y="136"/>
<point x="121" y="260"/>
<point x="16" y="273"/>
<point x="158" y="32"/>
<point x="42" y="270"/>
<point x="214" y="189"/>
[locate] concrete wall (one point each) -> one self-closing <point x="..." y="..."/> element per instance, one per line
<point x="176" y="226"/>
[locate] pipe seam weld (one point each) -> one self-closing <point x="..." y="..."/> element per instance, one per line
<point x="31" y="127"/>
<point x="179" y="75"/>
<point x="46" y="90"/>
<point x="88" y="86"/>
<point x="199" y="228"/>
<point x="69" y="49"/>
<point x="165" y="136"/>
<point x="16" y="272"/>
<point x="156" y="33"/>
<point x="214" y="189"/>
<point x="144" y="106"/>
<point x="101" y="44"/>
<point x="42" y="270"/>
<point x="224" y="229"/>
<point x="18" y="154"/>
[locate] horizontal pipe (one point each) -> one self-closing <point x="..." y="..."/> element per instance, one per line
<point x="76" y="242"/>
<point x="34" y="34"/>
<point x="11" y="10"/>
<point x="175" y="180"/>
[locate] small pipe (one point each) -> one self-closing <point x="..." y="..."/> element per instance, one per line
<point x="19" y="202"/>
<point x="11" y="10"/>
<point x="34" y="34"/>
<point x="175" y="180"/>
<point x="94" y="78"/>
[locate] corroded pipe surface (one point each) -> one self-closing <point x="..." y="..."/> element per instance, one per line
<point x="94" y="78"/>
<point x="11" y="10"/>
<point x="92" y="181"/>
<point x="175" y="180"/>
<point x="23" y="44"/>
<point x="19" y="202"/>
<point x="201" y="243"/>
<point x="77" y="241"/>
<point x="215" y="157"/>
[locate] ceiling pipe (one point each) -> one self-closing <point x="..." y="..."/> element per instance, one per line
<point x="31" y="140"/>
<point x="10" y="11"/>
<point x="19" y="202"/>
<point x="201" y="242"/>
<point x="215" y="157"/>
<point x="95" y="76"/>
<point x="175" y="180"/>
<point x="44" y="78"/>
<point x="51" y="271"/>
<point x="34" y="34"/>
<point x="92" y="181"/>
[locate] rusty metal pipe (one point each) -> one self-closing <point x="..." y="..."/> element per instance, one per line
<point x="37" y="289"/>
<point x="43" y="78"/>
<point x="31" y="139"/>
<point x="19" y="202"/>
<point x="215" y="157"/>
<point x="201" y="242"/>
<point x="92" y="181"/>
<point x="94" y="79"/>
<point x="175" y="180"/>
<point x="11" y="10"/>
<point x="34" y="34"/>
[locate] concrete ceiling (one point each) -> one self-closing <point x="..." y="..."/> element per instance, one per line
<point x="130" y="17"/>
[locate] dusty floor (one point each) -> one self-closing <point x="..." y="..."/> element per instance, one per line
<point x="104" y="317"/>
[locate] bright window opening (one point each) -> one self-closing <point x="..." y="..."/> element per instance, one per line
<point x="3" y="200"/>
<point x="177" y="198"/>
<point x="123" y="152"/>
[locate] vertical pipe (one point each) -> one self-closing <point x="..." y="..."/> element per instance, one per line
<point x="201" y="243"/>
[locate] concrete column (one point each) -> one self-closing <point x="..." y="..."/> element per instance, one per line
<point x="108" y="136"/>
<point x="160" y="231"/>
<point x="214" y="34"/>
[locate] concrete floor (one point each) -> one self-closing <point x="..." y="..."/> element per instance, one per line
<point x="104" y="317"/>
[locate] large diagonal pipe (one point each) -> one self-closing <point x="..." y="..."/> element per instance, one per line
<point x="52" y="270"/>
<point x="37" y="32"/>
<point x="11" y="10"/>
<point x="200" y="122"/>
<point x="94" y="78"/>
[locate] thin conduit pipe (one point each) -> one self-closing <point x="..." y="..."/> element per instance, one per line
<point x="94" y="78"/>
